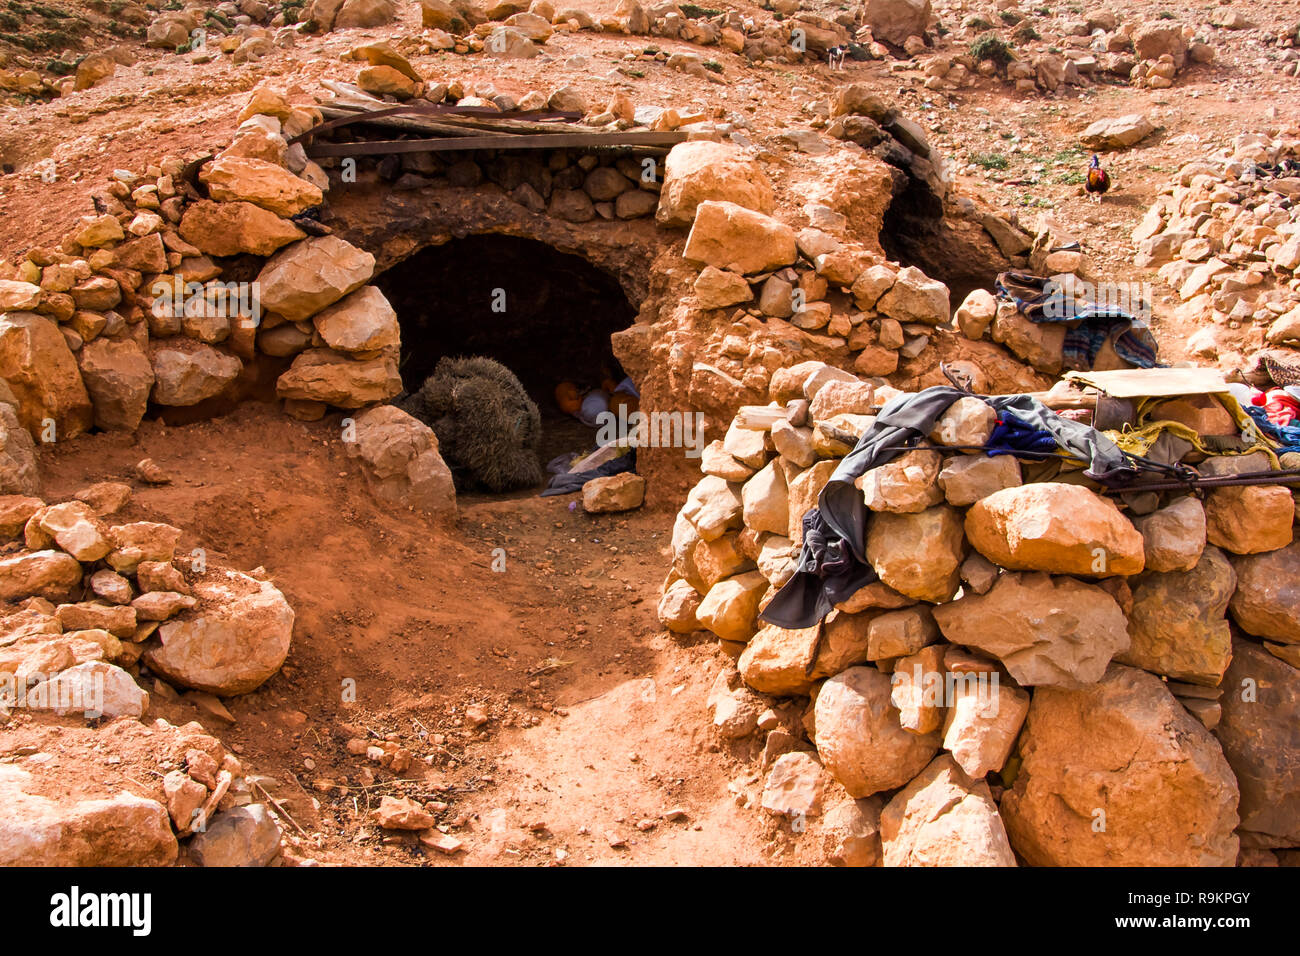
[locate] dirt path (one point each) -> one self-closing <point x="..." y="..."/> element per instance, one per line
<point x="596" y="718"/>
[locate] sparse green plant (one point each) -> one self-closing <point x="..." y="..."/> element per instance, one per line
<point x="991" y="47"/>
<point x="1010" y="17"/>
<point x="1164" y="15"/>
<point x="990" y="160"/>
<point x="692" y="12"/>
<point x="979" y="23"/>
<point x="713" y="65"/>
<point x="1025" y="33"/>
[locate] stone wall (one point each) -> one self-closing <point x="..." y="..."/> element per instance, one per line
<point x="1225" y="236"/>
<point x="1037" y="674"/>
<point x="90" y="596"/>
<point x="147" y="302"/>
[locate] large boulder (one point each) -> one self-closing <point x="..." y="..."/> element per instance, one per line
<point x="232" y="644"/>
<point x="265" y="184"/>
<point x="730" y="609"/>
<point x="119" y="377"/>
<point x="1173" y="537"/>
<point x="38" y="366"/>
<point x="1177" y="626"/>
<point x="240" y="836"/>
<point x="187" y="376"/>
<point x="1153" y="40"/>
<point x="122" y="830"/>
<point x="982" y="722"/>
<point x="917" y="554"/>
<point x="50" y="574"/>
<point x="322" y="375"/>
<point x="777" y="661"/>
<point x="943" y="818"/>
<point x="859" y="738"/>
<point x="1249" y="519"/>
<point x="702" y="170"/>
<point x="399" y="454"/>
<point x="893" y="21"/>
<point x="235" y="228"/>
<point x="1119" y="774"/>
<point x="1117" y="133"/>
<point x="731" y="237"/>
<point x="1260" y="734"/>
<point x="365" y="13"/>
<point x="915" y="297"/>
<point x="18" y="470"/>
<point x="1045" y="630"/>
<point x="1050" y="526"/>
<point x="299" y="281"/>
<point x="362" y="321"/>
<point x="1267" y="600"/>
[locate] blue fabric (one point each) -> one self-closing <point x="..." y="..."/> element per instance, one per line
<point x="1134" y="343"/>
<point x="568" y="483"/>
<point x="1012" y="435"/>
<point x="1288" y="436"/>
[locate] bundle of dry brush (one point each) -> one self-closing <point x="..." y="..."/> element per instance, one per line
<point x="488" y="428"/>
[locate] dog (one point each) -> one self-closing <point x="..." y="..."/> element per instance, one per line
<point x="835" y="57"/>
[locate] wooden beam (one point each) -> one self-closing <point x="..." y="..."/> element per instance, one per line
<point x="439" y="122"/>
<point x="504" y="141"/>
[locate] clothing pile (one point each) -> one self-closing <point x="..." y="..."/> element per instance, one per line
<point x="833" y="564"/>
<point x="1040" y="299"/>
<point x="1276" y="412"/>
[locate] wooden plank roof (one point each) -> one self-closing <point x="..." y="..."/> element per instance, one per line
<point x="428" y="127"/>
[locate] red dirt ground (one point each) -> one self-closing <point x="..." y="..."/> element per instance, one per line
<point x="597" y="717"/>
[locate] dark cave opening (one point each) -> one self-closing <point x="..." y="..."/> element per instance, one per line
<point x="544" y="314"/>
<point x="916" y="232"/>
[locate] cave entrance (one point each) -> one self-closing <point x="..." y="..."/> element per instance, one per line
<point x="544" y="314"/>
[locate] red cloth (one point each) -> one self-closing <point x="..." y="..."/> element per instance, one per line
<point x="1280" y="407"/>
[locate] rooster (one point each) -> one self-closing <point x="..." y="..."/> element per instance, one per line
<point x="1097" y="180"/>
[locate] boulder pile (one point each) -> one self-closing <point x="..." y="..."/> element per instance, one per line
<point x="1225" y="236"/>
<point x="1038" y="674"/>
<point x="92" y="596"/>
<point x="133" y="308"/>
<point x="93" y="603"/>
